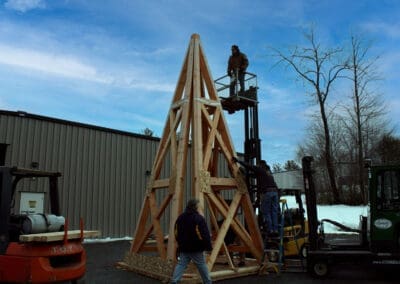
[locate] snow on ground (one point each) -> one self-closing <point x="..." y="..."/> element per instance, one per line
<point x="346" y="215"/>
<point x="106" y="240"/>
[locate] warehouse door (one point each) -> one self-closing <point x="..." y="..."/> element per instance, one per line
<point x="3" y="150"/>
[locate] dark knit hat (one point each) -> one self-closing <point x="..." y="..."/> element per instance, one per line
<point x="192" y="204"/>
<point x="264" y="163"/>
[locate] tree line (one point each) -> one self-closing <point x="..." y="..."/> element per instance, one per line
<point x="342" y="133"/>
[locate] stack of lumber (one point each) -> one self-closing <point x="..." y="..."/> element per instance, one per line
<point x="57" y="236"/>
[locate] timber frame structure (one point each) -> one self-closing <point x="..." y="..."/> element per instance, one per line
<point x="196" y="123"/>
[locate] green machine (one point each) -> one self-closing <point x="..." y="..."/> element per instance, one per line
<point x="376" y="242"/>
<point x="384" y="192"/>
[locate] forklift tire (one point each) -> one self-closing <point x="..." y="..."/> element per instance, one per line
<point x="398" y="240"/>
<point x="303" y="251"/>
<point x="319" y="269"/>
<point x="273" y="253"/>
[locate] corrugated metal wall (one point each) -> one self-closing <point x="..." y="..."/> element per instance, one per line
<point x="289" y="179"/>
<point x="104" y="171"/>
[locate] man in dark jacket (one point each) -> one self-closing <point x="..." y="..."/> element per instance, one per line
<point x="269" y="194"/>
<point x="193" y="239"/>
<point x="237" y="65"/>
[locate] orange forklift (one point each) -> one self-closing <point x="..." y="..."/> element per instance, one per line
<point x="37" y="248"/>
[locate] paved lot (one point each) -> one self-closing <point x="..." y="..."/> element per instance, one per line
<point x="102" y="257"/>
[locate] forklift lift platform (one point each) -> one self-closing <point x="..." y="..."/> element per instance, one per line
<point x="247" y="102"/>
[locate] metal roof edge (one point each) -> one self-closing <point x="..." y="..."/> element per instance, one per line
<point x="20" y="113"/>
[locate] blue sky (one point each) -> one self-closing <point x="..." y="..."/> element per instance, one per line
<point x="116" y="63"/>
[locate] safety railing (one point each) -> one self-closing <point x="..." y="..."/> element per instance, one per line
<point x="222" y="84"/>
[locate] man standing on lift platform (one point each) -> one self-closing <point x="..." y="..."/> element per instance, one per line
<point x="237" y="65"/>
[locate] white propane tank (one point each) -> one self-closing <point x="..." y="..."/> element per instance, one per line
<point x="42" y="223"/>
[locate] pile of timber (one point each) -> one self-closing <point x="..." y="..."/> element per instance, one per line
<point x="57" y="236"/>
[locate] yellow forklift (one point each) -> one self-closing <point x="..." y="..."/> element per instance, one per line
<point x="291" y="242"/>
<point x="295" y="228"/>
<point x="289" y="249"/>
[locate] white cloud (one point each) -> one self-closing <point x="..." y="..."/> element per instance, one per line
<point x="389" y="63"/>
<point x="50" y="63"/>
<point x="147" y="84"/>
<point x="389" y="29"/>
<point x="73" y="68"/>
<point x="24" y="5"/>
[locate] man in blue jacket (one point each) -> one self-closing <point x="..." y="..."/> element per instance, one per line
<point x="193" y="239"/>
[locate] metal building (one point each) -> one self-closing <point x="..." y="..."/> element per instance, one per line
<point x="104" y="171"/>
<point x="289" y="179"/>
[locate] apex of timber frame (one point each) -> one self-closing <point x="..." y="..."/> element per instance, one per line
<point x="196" y="137"/>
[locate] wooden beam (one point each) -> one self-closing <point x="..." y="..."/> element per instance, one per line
<point x="224" y="228"/>
<point x="161" y="183"/>
<point x="57" y="236"/>
<point x="180" y="170"/>
<point x="223" y="182"/>
<point x="217" y="227"/>
<point x="157" y="226"/>
<point x="139" y="238"/>
<point x="197" y="127"/>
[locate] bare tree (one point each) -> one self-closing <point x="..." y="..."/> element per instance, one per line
<point x="317" y="68"/>
<point x="291" y="165"/>
<point x="314" y="145"/>
<point x="148" y="132"/>
<point x="367" y="106"/>
<point x="276" y="168"/>
<point x="388" y="149"/>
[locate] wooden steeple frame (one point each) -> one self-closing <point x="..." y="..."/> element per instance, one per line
<point x="196" y="123"/>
